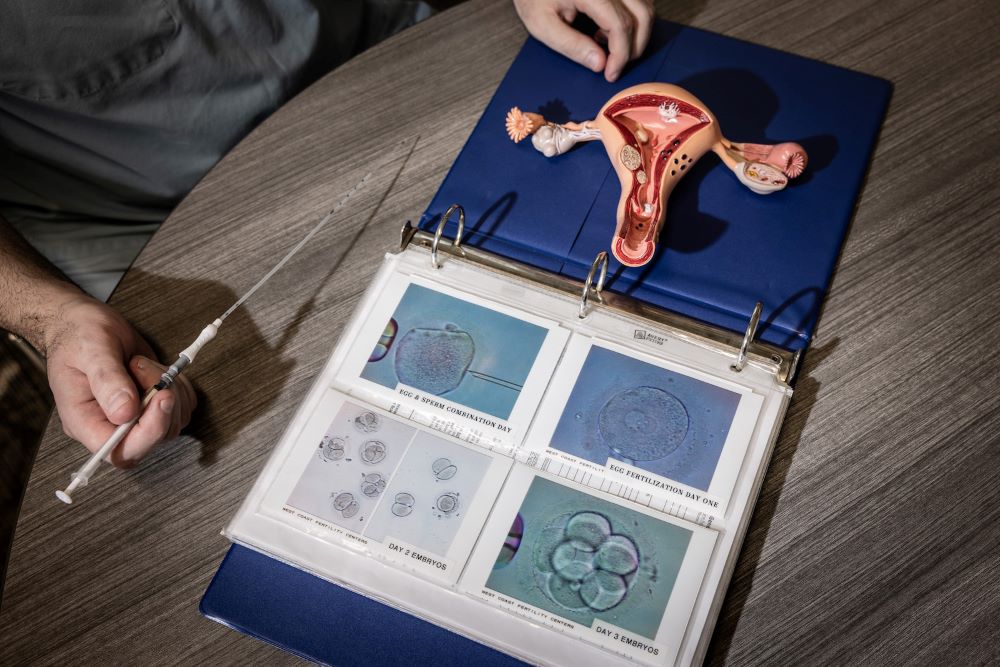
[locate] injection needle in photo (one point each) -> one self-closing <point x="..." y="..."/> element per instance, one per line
<point x="82" y="476"/>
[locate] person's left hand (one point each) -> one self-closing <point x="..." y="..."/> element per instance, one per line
<point x="624" y="24"/>
<point x="99" y="367"/>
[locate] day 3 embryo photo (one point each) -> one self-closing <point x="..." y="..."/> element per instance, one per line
<point x="463" y="352"/>
<point x="649" y="417"/>
<point x="584" y="558"/>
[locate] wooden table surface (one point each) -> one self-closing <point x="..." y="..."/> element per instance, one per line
<point x="877" y="536"/>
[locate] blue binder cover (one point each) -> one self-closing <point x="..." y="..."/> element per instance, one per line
<point x="722" y="249"/>
<point x="319" y="621"/>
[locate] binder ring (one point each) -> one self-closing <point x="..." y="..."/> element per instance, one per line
<point x="601" y="261"/>
<point x="741" y="358"/>
<point x="457" y="241"/>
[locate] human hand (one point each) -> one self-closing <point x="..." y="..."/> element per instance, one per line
<point x="97" y="366"/>
<point x="624" y="24"/>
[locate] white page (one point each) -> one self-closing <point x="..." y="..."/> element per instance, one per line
<point x="362" y="477"/>
<point x="293" y="513"/>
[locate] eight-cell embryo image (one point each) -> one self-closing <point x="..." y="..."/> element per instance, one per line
<point x="649" y="417"/>
<point x="428" y="498"/>
<point x="463" y="352"/>
<point x="350" y="469"/>
<point x="584" y="558"/>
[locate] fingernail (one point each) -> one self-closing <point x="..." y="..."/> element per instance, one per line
<point x="594" y="60"/>
<point x="612" y="75"/>
<point x="120" y="398"/>
<point x="167" y="405"/>
<point x="140" y="363"/>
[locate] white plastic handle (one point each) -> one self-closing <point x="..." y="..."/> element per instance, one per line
<point x="206" y="335"/>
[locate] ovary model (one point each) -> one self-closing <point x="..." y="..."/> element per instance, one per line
<point x="654" y="133"/>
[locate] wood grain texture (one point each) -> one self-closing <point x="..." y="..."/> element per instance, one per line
<point x="876" y="536"/>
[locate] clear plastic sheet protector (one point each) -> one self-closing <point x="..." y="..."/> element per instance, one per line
<point x="569" y="491"/>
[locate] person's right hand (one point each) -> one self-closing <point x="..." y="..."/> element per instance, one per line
<point x="624" y="24"/>
<point x="99" y="368"/>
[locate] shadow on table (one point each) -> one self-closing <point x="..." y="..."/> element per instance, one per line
<point x="239" y="375"/>
<point x="806" y="390"/>
<point x="246" y="372"/>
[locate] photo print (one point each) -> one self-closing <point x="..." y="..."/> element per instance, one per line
<point x="663" y="421"/>
<point x="350" y="467"/>
<point x="406" y="494"/>
<point x="584" y="559"/>
<point x="430" y="495"/>
<point x="449" y="347"/>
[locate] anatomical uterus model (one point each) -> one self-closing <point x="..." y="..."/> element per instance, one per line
<point x="654" y="133"/>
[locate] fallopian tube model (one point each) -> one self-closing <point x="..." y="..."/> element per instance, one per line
<point x="654" y="133"/>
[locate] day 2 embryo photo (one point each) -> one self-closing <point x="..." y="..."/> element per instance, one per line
<point x="351" y="467"/>
<point x="649" y="417"/>
<point x="381" y="478"/>
<point x="430" y="494"/>
<point x="584" y="558"/>
<point x="463" y="352"/>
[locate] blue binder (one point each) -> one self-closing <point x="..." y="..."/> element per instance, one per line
<point x="722" y="249"/>
<point x="314" y="619"/>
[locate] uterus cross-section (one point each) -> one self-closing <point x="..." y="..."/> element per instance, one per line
<point x="653" y="134"/>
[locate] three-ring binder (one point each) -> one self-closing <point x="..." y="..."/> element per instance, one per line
<point x="588" y="285"/>
<point x="751" y="332"/>
<point x="456" y="243"/>
<point x="745" y="347"/>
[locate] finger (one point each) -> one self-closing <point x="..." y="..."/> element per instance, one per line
<point x="643" y="13"/>
<point x="559" y="36"/>
<point x="82" y="418"/>
<point x="618" y="23"/>
<point x="153" y="426"/>
<point x="111" y="385"/>
<point x="167" y="413"/>
<point x="147" y="372"/>
<point x="86" y="424"/>
<point x="190" y="401"/>
<point x="184" y="395"/>
<point x="141" y="347"/>
<point x="179" y="421"/>
<point x="619" y="53"/>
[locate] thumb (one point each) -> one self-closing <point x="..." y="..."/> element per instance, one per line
<point x="112" y="387"/>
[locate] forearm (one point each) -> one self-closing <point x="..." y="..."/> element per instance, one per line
<point x="31" y="289"/>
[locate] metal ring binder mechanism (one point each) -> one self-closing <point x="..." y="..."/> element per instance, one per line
<point x="741" y="358"/>
<point x="457" y="242"/>
<point x="602" y="261"/>
<point x="745" y="348"/>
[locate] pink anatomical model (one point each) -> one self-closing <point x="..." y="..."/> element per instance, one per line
<point x="654" y="133"/>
